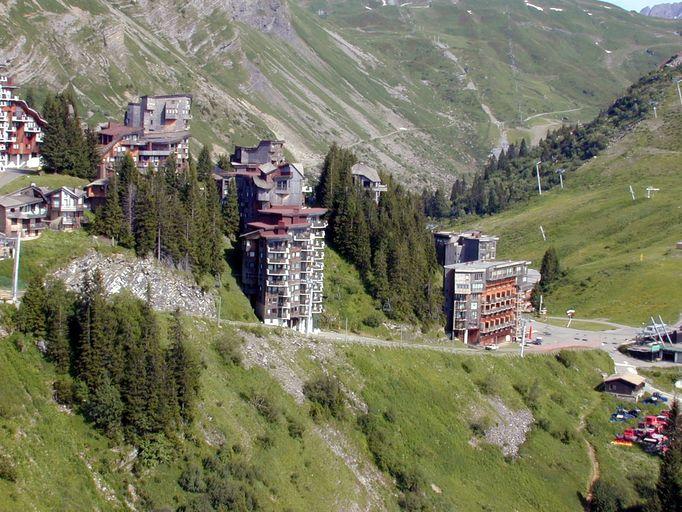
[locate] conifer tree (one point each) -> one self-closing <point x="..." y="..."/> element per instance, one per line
<point x="110" y="221"/>
<point x="523" y="148"/>
<point x="205" y="165"/>
<point x="230" y="211"/>
<point x="146" y="219"/>
<point x="31" y="315"/>
<point x="224" y="162"/>
<point x="29" y="98"/>
<point x="669" y="486"/>
<point x="59" y="310"/>
<point x="550" y="270"/>
<point x="184" y="369"/>
<point x="128" y="178"/>
<point x="105" y="408"/>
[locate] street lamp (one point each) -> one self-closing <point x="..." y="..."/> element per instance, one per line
<point x="561" y="173"/>
<point x="537" y="172"/>
<point x="679" y="93"/>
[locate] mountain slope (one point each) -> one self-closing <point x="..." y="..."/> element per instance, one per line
<point x="671" y="11"/>
<point x="422" y="91"/>
<point x="620" y="254"/>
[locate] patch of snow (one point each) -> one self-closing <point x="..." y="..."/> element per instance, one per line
<point x="556" y="9"/>
<point x="528" y="4"/>
<point x="608" y="51"/>
<point x="369" y="8"/>
<point x="470" y="13"/>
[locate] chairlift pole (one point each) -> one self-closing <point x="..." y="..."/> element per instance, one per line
<point x="523" y="336"/>
<point x="537" y="172"/>
<point x="17" y="253"/>
<point x="679" y="93"/>
<point x="667" y="335"/>
<point x="653" y="323"/>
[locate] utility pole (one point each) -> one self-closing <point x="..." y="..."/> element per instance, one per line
<point x="523" y="337"/>
<point x="667" y="335"/>
<point x="561" y="172"/>
<point x="632" y="193"/>
<point x="17" y="252"/>
<point x="679" y="93"/>
<point x="540" y="308"/>
<point x="537" y="172"/>
<point x="542" y="232"/>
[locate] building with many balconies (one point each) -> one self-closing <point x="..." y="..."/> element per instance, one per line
<point x="482" y="303"/>
<point x="24" y="211"/>
<point x="153" y="129"/>
<point x="283" y="241"/>
<point x="463" y="247"/>
<point x="21" y="128"/>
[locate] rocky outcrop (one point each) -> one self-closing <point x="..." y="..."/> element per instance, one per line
<point x="169" y="289"/>
<point x="672" y="11"/>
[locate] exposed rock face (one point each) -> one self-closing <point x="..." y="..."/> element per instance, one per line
<point x="511" y="429"/>
<point x="169" y="289"/>
<point x="672" y="11"/>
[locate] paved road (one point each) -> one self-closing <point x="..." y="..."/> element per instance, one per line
<point x="10" y="174"/>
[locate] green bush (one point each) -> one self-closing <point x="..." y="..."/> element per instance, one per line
<point x="372" y="321"/>
<point x="8" y="470"/>
<point x="192" y="479"/>
<point x="325" y="393"/>
<point x="265" y="406"/>
<point x="63" y="390"/>
<point x="296" y="428"/>
<point x="229" y="350"/>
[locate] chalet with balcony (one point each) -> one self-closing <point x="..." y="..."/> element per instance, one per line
<point x="368" y="178"/>
<point x="65" y="208"/>
<point x="21" y="128"/>
<point x="25" y="211"/>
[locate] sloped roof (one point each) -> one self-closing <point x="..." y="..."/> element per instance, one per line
<point x="635" y="380"/>
<point x="362" y="169"/>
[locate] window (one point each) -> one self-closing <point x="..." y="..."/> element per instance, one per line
<point x="282" y="184"/>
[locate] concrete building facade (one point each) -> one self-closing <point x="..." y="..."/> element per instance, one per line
<point x="21" y="128"/>
<point x="283" y="241"/>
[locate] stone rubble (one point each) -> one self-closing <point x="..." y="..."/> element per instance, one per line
<point x="170" y="289"/>
<point x="510" y="431"/>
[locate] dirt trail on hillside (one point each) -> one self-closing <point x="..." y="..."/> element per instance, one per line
<point x="594" y="463"/>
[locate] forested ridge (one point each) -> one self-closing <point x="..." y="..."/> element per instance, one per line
<point x="388" y="242"/>
<point x="116" y="369"/>
<point x="511" y="177"/>
<point x="170" y="214"/>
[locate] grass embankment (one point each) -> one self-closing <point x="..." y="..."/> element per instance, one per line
<point x="427" y="410"/>
<point x="619" y="254"/>
<point x="583" y="325"/>
<point x="664" y="378"/>
<point x="50" y="181"/>
<point x="51" y="449"/>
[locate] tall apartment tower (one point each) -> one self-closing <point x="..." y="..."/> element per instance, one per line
<point x="153" y="129"/>
<point x="21" y="128"/>
<point x="283" y="241"/>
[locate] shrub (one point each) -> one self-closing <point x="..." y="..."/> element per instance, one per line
<point x="372" y="320"/>
<point x="265" y="406"/>
<point x="265" y="441"/>
<point x="63" y="390"/>
<point x="296" y="428"/>
<point x="201" y="503"/>
<point x="8" y="471"/>
<point x="229" y="350"/>
<point x="325" y="392"/>
<point x="604" y="497"/>
<point x="192" y="479"/>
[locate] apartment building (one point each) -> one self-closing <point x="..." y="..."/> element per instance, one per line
<point x="283" y="240"/>
<point x="21" y="128"/>
<point x="153" y="129"/>
<point x="368" y="178"/>
<point x="463" y="247"/>
<point x="482" y="304"/>
<point x="25" y="211"/>
<point x="65" y="207"/>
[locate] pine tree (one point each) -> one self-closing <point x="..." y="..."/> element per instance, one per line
<point x="523" y="149"/>
<point x="204" y="165"/>
<point x="146" y="219"/>
<point x="54" y="146"/>
<point x="550" y="270"/>
<point x="94" y="158"/>
<point x="105" y="408"/>
<point x="230" y="212"/>
<point x="59" y="310"/>
<point x="224" y="162"/>
<point x="31" y="315"/>
<point x="184" y="369"/>
<point x="669" y="486"/>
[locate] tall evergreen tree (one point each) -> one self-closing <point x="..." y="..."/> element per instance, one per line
<point x="31" y="315"/>
<point x="205" y="165"/>
<point x="669" y="486"/>
<point x="184" y="369"/>
<point x="550" y="270"/>
<point x="230" y="212"/>
<point x="59" y="309"/>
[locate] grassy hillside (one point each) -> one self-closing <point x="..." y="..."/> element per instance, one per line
<point x="423" y="91"/>
<point x="427" y="413"/>
<point x="619" y="254"/>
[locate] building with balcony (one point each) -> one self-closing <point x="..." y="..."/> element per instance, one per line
<point x="283" y="241"/>
<point x="21" y="128"/>
<point x="482" y="300"/>
<point x="368" y="178"/>
<point x="25" y="211"/>
<point x="65" y="208"/>
<point x="153" y="129"/>
<point x="463" y="247"/>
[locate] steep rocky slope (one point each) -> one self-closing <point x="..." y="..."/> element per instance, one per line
<point x="671" y="11"/>
<point x="423" y="89"/>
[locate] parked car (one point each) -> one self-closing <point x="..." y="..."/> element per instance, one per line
<point x="537" y="341"/>
<point x="491" y="347"/>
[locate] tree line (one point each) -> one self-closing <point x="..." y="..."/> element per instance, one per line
<point x="510" y="178"/>
<point x="122" y="378"/>
<point x="388" y="242"/>
<point x="67" y="148"/>
<point x="174" y="215"/>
